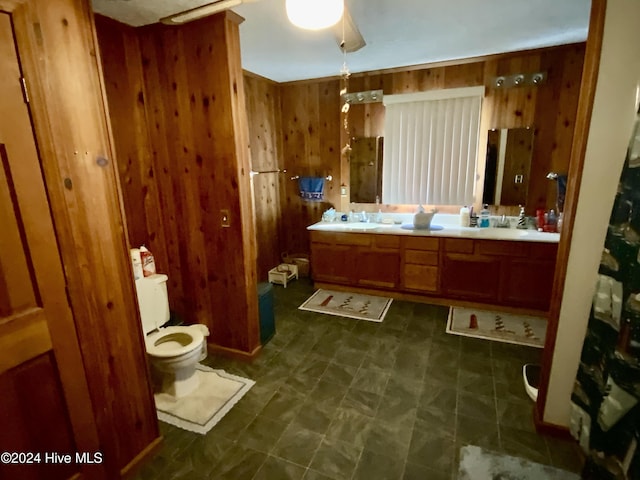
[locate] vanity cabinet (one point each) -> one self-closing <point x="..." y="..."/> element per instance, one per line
<point x="517" y="274"/>
<point x="356" y="259"/>
<point x="420" y="264"/>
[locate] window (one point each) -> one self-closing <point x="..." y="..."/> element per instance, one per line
<point x="431" y="146"/>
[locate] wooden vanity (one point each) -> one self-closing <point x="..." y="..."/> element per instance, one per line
<point x="517" y="274"/>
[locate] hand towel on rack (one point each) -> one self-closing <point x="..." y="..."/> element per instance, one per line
<point x="311" y="188"/>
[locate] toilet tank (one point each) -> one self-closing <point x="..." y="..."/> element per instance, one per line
<point x="153" y="301"/>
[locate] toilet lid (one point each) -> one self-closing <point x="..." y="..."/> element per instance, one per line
<point x="173" y="341"/>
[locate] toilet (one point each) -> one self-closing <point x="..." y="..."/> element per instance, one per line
<point x="174" y="352"/>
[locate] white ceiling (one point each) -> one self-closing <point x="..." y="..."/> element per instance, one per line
<point x="398" y="32"/>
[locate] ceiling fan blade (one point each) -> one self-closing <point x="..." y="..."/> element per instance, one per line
<point x="347" y="32"/>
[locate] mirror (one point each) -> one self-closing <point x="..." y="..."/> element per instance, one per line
<point x="365" y="169"/>
<point x="508" y="166"/>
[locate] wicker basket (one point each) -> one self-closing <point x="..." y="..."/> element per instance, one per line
<point x="301" y="260"/>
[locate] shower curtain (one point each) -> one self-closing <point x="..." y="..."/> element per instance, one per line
<point x="605" y="415"/>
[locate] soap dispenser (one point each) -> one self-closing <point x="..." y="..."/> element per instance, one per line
<point x="484" y="216"/>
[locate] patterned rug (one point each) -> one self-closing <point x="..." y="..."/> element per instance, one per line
<point x="350" y="305"/>
<point x="479" y="464"/>
<point x="199" y="411"/>
<point x="498" y="326"/>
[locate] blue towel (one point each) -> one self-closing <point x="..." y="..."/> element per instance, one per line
<point x="311" y="188"/>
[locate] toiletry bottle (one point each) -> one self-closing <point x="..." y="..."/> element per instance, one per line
<point x="465" y="216"/>
<point x="484" y="216"/>
<point x="552" y="220"/>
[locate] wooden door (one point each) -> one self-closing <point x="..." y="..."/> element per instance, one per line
<point x="45" y="408"/>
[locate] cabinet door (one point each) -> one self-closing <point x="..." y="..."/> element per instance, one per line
<point x="473" y="277"/>
<point x="527" y="282"/>
<point x="333" y="263"/>
<point x="378" y="268"/>
<point x="423" y="278"/>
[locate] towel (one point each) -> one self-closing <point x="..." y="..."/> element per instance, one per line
<point x="311" y="188"/>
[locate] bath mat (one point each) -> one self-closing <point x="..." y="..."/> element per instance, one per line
<point x="199" y="411"/>
<point x="498" y="326"/>
<point x="479" y="464"/>
<point x="350" y="305"/>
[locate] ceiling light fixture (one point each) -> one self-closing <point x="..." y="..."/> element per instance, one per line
<point x="314" y="14"/>
<point x="200" y="12"/>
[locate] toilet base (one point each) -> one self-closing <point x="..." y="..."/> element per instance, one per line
<point x="181" y="382"/>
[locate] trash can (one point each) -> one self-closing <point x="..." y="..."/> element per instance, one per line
<point x="265" y="308"/>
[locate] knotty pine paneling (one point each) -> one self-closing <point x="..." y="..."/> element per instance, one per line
<point x="68" y="108"/>
<point x="188" y="81"/>
<point x="310" y="147"/>
<point x="263" y="113"/>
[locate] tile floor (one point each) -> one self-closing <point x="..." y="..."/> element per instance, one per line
<point x="343" y="399"/>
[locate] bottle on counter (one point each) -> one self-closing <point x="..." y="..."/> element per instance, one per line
<point x="465" y="216"/>
<point x="484" y="216"/>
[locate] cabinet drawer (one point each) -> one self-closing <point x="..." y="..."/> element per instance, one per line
<point x="502" y="248"/>
<point x="421" y="257"/>
<point x="420" y="277"/>
<point x="421" y="243"/>
<point x="456" y="245"/>
<point x="386" y="241"/>
<point x="339" y="238"/>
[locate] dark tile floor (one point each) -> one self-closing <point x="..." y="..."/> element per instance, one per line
<point x="343" y="399"/>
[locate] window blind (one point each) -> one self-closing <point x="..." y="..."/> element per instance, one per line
<point x="431" y="146"/>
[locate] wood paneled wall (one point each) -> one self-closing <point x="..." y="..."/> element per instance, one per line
<point x="180" y="89"/>
<point x="263" y="112"/>
<point x="311" y="123"/>
<point x="57" y="49"/>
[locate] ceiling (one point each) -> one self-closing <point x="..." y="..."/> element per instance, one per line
<point x="398" y="32"/>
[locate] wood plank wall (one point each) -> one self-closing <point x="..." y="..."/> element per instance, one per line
<point x="58" y="54"/>
<point x="311" y="123"/>
<point x="186" y="162"/>
<point x="263" y="112"/>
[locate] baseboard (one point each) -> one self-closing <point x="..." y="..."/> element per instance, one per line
<point x="550" y="429"/>
<point x="234" y="353"/>
<point x="131" y="468"/>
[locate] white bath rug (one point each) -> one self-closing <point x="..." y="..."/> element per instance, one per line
<point x="199" y="411"/>
<point x="350" y="305"/>
<point x="499" y="326"/>
<point x="479" y="464"/>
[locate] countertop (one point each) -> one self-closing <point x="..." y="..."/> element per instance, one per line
<point x="448" y="226"/>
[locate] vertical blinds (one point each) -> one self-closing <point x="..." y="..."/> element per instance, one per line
<point x="431" y="146"/>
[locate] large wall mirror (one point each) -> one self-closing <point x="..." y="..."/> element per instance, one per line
<point x="507" y="169"/>
<point x="508" y="166"/>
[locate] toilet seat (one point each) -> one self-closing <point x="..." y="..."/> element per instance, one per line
<point x="173" y="341"/>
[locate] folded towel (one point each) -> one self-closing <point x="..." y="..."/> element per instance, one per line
<point x="311" y="188"/>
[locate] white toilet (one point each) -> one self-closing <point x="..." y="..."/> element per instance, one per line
<point x="173" y="351"/>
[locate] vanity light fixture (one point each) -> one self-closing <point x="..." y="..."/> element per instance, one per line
<point x="314" y="14"/>
<point x="200" y="12"/>
<point x="370" y="96"/>
<point x="520" y="80"/>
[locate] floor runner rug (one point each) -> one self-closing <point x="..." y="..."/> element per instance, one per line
<point x="350" y="305"/>
<point x="200" y="410"/>
<point x="479" y="464"/>
<point x="499" y="326"/>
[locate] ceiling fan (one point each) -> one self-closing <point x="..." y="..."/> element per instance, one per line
<point x="345" y="30"/>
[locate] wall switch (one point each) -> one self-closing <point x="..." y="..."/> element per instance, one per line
<point x="225" y="219"/>
<point x="519" y="178"/>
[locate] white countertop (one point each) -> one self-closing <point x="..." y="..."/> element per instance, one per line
<point x="448" y="226"/>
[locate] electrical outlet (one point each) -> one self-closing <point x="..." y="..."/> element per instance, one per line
<point x="225" y="219"/>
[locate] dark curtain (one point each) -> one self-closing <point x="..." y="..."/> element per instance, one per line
<point x="605" y="402"/>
